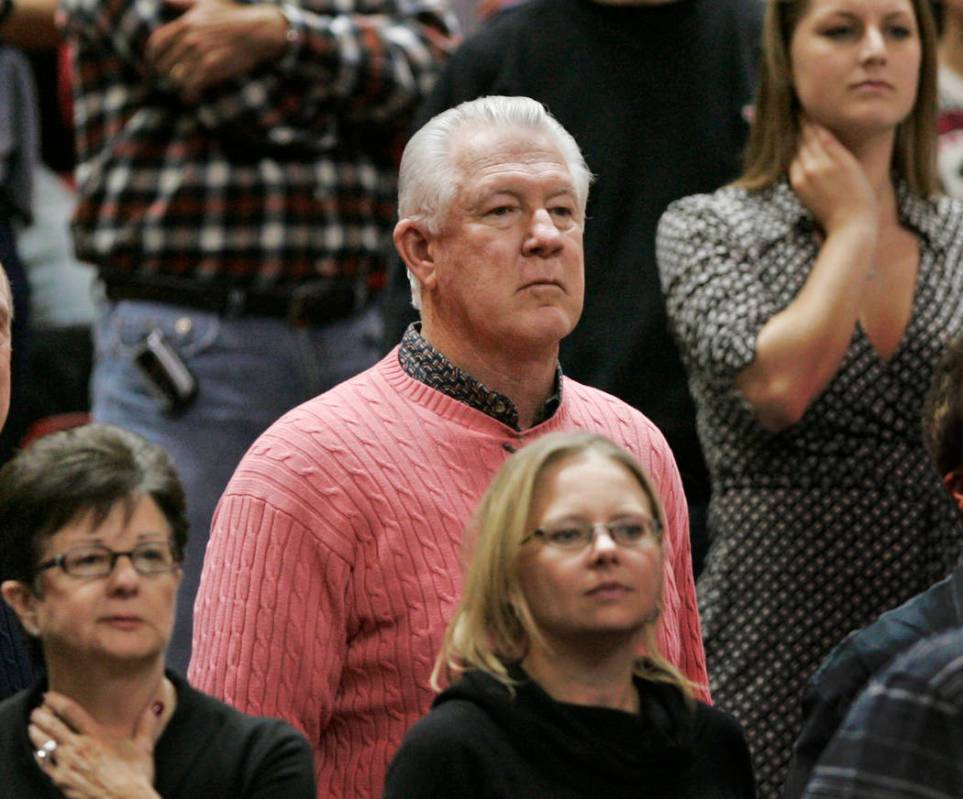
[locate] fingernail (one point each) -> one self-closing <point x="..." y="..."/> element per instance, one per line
<point x="157" y="707"/>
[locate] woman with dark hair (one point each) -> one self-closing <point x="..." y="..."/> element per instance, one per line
<point x="549" y="696"/>
<point x="92" y="531"/>
<point x="811" y="301"/>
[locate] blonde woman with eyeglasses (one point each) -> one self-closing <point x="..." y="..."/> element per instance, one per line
<point x="549" y="693"/>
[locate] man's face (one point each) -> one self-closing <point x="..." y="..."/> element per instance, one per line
<point x="6" y="315"/>
<point x="508" y="259"/>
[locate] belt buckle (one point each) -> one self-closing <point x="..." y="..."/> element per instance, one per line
<point x="313" y="295"/>
<point x="299" y="297"/>
<point x="300" y="303"/>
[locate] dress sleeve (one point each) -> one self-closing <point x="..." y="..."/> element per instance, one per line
<point x="270" y="637"/>
<point x="715" y="301"/>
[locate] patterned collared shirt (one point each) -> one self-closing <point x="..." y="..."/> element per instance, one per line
<point x="273" y="178"/>
<point x="904" y="736"/>
<point x="422" y="362"/>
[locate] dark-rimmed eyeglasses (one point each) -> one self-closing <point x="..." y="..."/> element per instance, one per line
<point x="96" y="560"/>
<point x="578" y="535"/>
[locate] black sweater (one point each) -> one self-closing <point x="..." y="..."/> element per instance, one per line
<point x="479" y="742"/>
<point x="207" y="751"/>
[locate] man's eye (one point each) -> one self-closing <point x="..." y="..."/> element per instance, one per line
<point x="562" y="210"/>
<point x="501" y="210"/>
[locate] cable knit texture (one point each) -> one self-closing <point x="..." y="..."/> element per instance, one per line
<point x="336" y="555"/>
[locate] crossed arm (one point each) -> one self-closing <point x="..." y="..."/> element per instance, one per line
<point x="292" y="71"/>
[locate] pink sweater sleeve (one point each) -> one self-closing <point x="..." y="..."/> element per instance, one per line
<point x="682" y="626"/>
<point x="269" y="636"/>
<point x="689" y="626"/>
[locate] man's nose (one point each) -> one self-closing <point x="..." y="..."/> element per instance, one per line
<point x="544" y="238"/>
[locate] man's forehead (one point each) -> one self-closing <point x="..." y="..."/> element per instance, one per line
<point x="485" y="147"/>
<point x="489" y="158"/>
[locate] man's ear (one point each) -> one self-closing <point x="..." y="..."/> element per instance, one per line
<point x="953" y="482"/>
<point x="23" y="602"/>
<point x="414" y="244"/>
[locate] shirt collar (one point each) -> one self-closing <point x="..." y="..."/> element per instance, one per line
<point x="422" y="362"/>
<point x="782" y="211"/>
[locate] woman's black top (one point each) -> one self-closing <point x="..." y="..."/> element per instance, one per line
<point x="478" y="741"/>
<point x="207" y="751"/>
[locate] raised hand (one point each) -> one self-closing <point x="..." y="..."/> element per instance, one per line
<point x="214" y="40"/>
<point x="830" y="182"/>
<point x="86" y="762"/>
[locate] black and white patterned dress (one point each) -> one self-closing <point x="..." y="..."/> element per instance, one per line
<point x="819" y="528"/>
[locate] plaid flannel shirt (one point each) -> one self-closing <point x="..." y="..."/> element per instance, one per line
<point x="282" y="175"/>
<point x="903" y="739"/>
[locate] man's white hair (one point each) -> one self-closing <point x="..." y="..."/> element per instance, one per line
<point x="6" y="303"/>
<point x="428" y="179"/>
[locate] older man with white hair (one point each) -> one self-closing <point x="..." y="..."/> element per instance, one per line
<point x="336" y="551"/>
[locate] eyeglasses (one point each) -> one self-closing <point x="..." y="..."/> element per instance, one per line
<point x="578" y="535"/>
<point x="95" y="560"/>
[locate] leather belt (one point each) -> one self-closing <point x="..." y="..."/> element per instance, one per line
<point x="314" y="303"/>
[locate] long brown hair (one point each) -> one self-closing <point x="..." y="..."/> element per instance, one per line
<point x="773" y="139"/>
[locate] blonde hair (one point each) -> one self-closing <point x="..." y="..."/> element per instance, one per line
<point x="773" y="137"/>
<point x="493" y="624"/>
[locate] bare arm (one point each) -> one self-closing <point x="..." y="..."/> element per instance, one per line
<point x="31" y="25"/>
<point x="799" y="349"/>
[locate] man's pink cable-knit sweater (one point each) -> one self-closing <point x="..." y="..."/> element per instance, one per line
<point x="335" y="560"/>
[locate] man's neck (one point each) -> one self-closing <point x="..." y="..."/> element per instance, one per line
<point x="527" y="378"/>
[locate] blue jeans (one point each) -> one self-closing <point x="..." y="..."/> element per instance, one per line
<point x="250" y="370"/>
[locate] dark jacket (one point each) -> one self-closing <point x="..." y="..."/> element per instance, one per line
<point x="207" y="751"/>
<point x="15" y="670"/>
<point x="847" y="671"/>
<point x="478" y="741"/>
